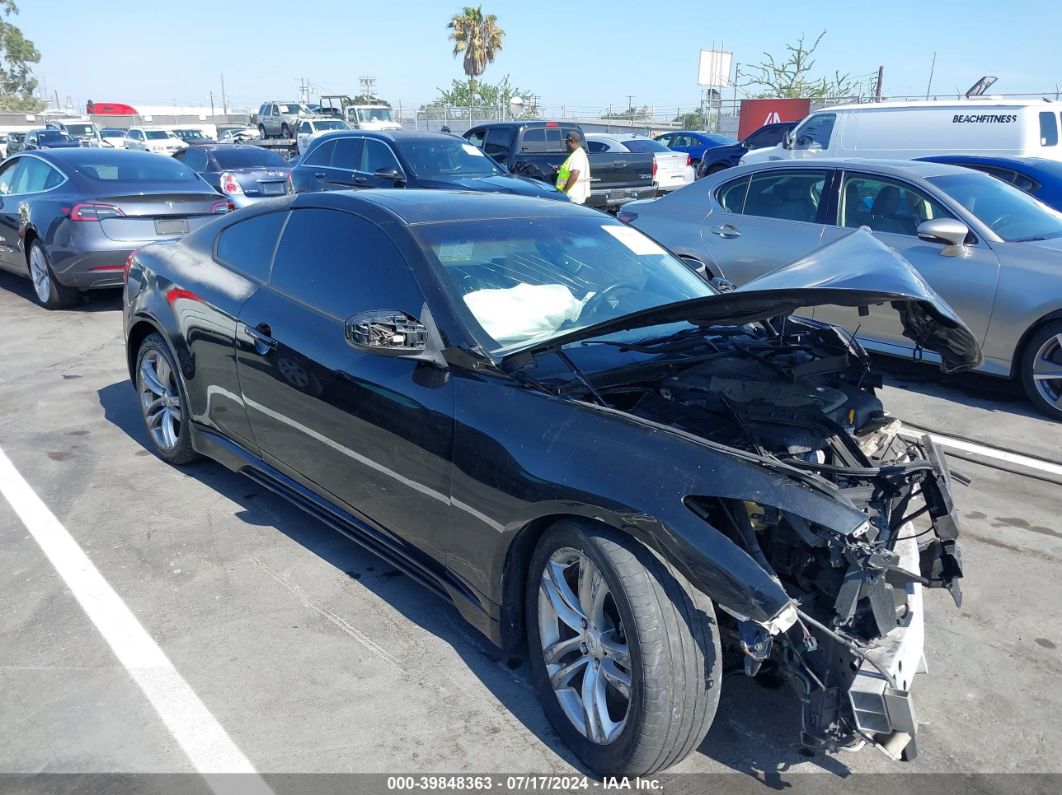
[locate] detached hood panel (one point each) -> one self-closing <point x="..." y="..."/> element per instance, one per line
<point x="856" y="270"/>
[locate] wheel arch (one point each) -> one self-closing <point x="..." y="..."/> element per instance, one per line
<point x="1030" y="332"/>
<point x="141" y="329"/>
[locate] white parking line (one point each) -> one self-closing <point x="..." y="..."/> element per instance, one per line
<point x="197" y="732"/>
<point x="1029" y="462"/>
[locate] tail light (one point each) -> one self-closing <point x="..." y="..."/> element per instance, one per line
<point x="221" y="207"/>
<point x="689" y="160"/>
<point x="626" y="216"/>
<point x="229" y="184"/>
<point x="128" y="265"/>
<point x="88" y="211"/>
<point x="654" y="168"/>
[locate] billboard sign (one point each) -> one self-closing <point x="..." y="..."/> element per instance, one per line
<point x="757" y="112"/>
<point x="714" y="68"/>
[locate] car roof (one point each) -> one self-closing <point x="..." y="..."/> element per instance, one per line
<point x="911" y="168"/>
<point x="421" y="206"/>
<point x="385" y="135"/>
<point x="89" y="156"/>
<point x="1040" y="165"/>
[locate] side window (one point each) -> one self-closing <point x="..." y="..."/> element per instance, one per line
<point x="731" y="196"/>
<point x="137" y="134"/>
<point x="476" y="137"/>
<point x="304" y="127"/>
<point x="35" y="176"/>
<point x="498" y="143"/>
<point x="347" y="153"/>
<point x="247" y="247"/>
<point x="195" y="159"/>
<point x="885" y="205"/>
<point x="273" y="110"/>
<point x="1027" y="184"/>
<point x="1048" y="129"/>
<point x="321" y="156"/>
<point x="342" y="264"/>
<point x="534" y="140"/>
<point x="815" y="132"/>
<point x="596" y="146"/>
<point x="262" y="111"/>
<point x="9" y="175"/>
<point x="376" y="155"/>
<point x="788" y="195"/>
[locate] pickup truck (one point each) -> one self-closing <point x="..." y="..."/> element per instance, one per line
<point x="536" y="149"/>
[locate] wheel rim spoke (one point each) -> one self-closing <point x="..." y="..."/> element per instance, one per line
<point x="593" y="704"/>
<point x="616" y="649"/>
<point x="150" y="378"/>
<point x="563" y="675"/>
<point x="561" y="648"/>
<point x="592" y="590"/>
<point x="615" y="676"/>
<point x="1047" y="371"/>
<point x="564" y="603"/>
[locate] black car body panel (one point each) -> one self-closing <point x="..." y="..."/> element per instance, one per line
<point x="258" y="173"/>
<point x="343" y="170"/>
<point x="720" y="157"/>
<point x="754" y="457"/>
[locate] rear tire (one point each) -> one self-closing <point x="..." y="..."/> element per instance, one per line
<point x="1041" y="370"/>
<point x="285" y="132"/>
<point x="49" y="292"/>
<point x="262" y="132"/>
<point x="644" y="629"/>
<point x="163" y="402"/>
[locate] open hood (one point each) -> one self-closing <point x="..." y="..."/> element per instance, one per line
<point x="856" y="270"/>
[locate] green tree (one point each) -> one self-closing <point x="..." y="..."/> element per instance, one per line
<point x="500" y="95"/>
<point x="791" y="76"/>
<point x="369" y="99"/>
<point x="694" y="120"/>
<point x="17" y="53"/>
<point x="478" y="38"/>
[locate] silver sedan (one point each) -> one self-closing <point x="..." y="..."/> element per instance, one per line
<point x="993" y="252"/>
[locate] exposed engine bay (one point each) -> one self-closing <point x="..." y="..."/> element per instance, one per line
<point x="801" y="396"/>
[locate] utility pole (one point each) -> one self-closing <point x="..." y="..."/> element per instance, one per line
<point x="877" y="88"/>
<point x="211" y="105"/>
<point x="630" y="103"/>
<point x="224" y="103"/>
<point x="932" y="68"/>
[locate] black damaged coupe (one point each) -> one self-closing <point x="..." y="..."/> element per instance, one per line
<point x="547" y="419"/>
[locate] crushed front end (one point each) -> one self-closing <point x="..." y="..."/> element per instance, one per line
<point x="801" y="398"/>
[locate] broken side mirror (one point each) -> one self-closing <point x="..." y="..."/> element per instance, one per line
<point x="387" y="332"/>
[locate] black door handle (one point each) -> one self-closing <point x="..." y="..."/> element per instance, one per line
<point x="360" y="180"/>
<point x="319" y="174"/>
<point x="263" y="342"/>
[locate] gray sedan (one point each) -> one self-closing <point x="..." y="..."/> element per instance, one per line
<point x="993" y="252"/>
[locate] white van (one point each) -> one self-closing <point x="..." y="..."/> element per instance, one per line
<point x="906" y="130"/>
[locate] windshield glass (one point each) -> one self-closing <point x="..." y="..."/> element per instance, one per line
<point x="300" y="109"/>
<point x="436" y="158"/>
<point x="112" y="132"/>
<point x="720" y="139"/>
<point x="102" y="166"/>
<point x="158" y="135"/>
<point x="330" y="125"/>
<point x="81" y="130"/>
<point x="1010" y="213"/>
<point x="644" y="145"/>
<point x="53" y="135"/>
<point x="251" y="157"/>
<point x="190" y="135"/>
<point x="524" y="281"/>
<point x="374" y="114"/>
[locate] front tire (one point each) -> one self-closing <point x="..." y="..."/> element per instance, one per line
<point x="262" y="132"/>
<point x="624" y="652"/>
<point x="1041" y="370"/>
<point x="163" y="402"/>
<point x="49" y="292"/>
<point x="285" y="132"/>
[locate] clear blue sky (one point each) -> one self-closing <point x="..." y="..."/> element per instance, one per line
<point x="579" y="53"/>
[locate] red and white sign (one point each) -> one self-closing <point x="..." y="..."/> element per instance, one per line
<point x="757" y="112"/>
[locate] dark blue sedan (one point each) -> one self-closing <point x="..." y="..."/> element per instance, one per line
<point x="1035" y="175"/>
<point x="694" y="143"/>
<point x="406" y="159"/>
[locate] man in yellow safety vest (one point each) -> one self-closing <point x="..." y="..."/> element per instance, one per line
<point x="573" y="177"/>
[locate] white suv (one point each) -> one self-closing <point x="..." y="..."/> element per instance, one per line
<point x="153" y="139"/>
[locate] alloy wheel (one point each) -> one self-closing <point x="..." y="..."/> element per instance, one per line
<point x="42" y="279"/>
<point x="585" y="649"/>
<point x="160" y="400"/>
<point x="1047" y="371"/>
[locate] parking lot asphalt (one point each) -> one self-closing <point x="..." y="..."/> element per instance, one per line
<point x="316" y="656"/>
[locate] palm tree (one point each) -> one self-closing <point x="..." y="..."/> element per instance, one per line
<point x="478" y="37"/>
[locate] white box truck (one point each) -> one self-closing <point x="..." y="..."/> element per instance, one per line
<point x="906" y="130"/>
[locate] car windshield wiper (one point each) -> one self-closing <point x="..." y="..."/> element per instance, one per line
<point x="1029" y="239"/>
